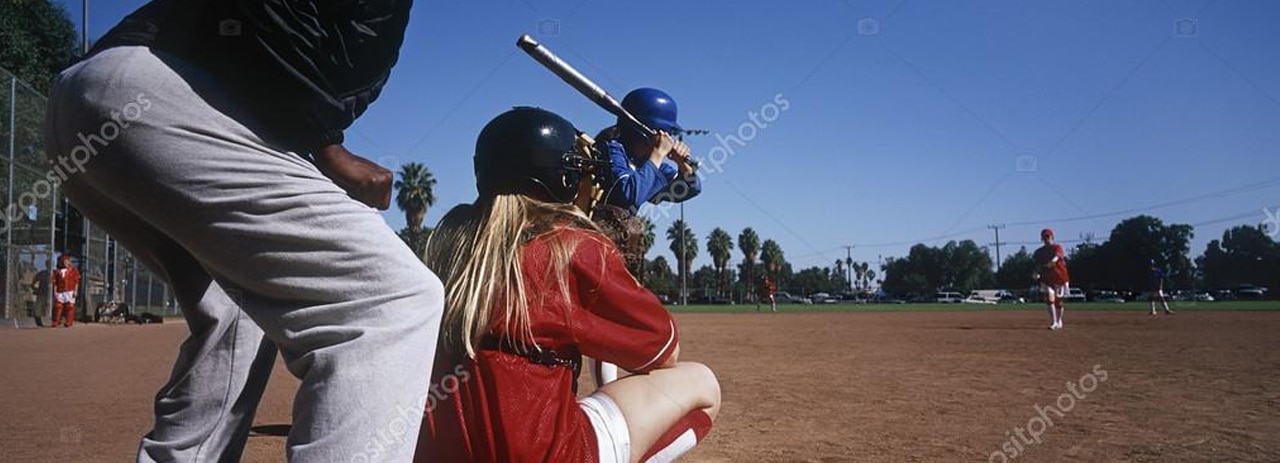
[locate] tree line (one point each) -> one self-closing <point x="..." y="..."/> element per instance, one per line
<point x="1245" y="255"/>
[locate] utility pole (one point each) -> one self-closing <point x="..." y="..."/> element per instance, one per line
<point x="84" y="27"/>
<point x="997" y="229"/>
<point x="85" y="262"/>
<point x="684" y="267"/>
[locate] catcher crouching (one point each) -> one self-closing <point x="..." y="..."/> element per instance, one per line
<point x="532" y="286"/>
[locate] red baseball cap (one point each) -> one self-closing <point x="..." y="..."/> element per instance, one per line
<point x="1046" y="233"/>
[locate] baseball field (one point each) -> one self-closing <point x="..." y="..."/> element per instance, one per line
<point x="807" y="384"/>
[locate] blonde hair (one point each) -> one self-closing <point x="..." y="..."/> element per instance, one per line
<point x="476" y="251"/>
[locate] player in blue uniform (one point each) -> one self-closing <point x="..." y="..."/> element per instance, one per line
<point x="648" y="169"/>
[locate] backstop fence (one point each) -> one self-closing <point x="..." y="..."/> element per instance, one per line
<point x="36" y="225"/>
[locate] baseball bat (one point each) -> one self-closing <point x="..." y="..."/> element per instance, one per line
<point x="582" y="84"/>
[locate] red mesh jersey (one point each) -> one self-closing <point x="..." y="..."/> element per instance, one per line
<point x="502" y="407"/>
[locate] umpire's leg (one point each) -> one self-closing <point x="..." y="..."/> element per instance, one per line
<point x="204" y="412"/>
<point x="351" y="308"/>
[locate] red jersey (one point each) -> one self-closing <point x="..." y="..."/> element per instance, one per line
<point x="65" y="279"/>
<point x="767" y="289"/>
<point x="1057" y="274"/>
<point x="503" y="407"/>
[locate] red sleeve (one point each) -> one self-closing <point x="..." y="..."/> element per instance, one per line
<point x="620" y="321"/>
<point x="1057" y="250"/>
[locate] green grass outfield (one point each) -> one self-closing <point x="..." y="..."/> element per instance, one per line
<point x="842" y="307"/>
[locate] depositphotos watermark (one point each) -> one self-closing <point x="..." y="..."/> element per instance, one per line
<point x="74" y="161"/>
<point x="396" y="432"/>
<point x="1020" y="439"/>
<point x="1271" y="225"/>
<point x="757" y="121"/>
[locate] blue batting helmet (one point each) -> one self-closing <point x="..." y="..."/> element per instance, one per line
<point x="653" y="107"/>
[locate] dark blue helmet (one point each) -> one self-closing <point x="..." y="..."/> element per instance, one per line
<point x="527" y="150"/>
<point x="653" y="107"/>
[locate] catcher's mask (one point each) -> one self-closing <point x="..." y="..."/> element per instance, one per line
<point x="530" y="151"/>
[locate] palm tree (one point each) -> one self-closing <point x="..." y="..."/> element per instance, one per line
<point x="772" y="258"/>
<point x="415" y="193"/>
<point x="859" y="271"/>
<point x="682" y="237"/>
<point x="749" y="244"/>
<point x="649" y="236"/>
<point x="646" y="243"/>
<point x="661" y="269"/>
<point x="848" y="263"/>
<point x="839" y="271"/>
<point x="867" y="275"/>
<point x="720" y="247"/>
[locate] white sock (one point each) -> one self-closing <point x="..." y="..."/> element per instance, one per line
<point x="605" y="373"/>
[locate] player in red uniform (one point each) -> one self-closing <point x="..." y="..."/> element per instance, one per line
<point x="531" y="286"/>
<point x="66" y="280"/>
<point x="1051" y="272"/>
<point x="766" y="292"/>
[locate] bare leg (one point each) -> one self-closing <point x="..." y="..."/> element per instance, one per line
<point x="654" y="402"/>
<point x="1062" y="308"/>
<point x="1053" y="313"/>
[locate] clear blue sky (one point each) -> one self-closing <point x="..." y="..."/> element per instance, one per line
<point x="907" y="120"/>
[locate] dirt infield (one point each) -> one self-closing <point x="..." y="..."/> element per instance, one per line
<point x="799" y="387"/>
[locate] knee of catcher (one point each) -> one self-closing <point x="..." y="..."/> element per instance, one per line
<point x="708" y="387"/>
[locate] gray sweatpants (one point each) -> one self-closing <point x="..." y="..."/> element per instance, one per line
<point x="262" y="252"/>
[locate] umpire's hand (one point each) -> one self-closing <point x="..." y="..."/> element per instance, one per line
<point x="363" y="179"/>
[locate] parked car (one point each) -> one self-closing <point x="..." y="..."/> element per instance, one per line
<point x="1108" y="296"/>
<point x="1202" y="297"/>
<point x="822" y="298"/>
<point x="1251" y="292"/>
<point x="948" y="297"/>
<point x="711" y="300"/>
<point x="991" y="295"/>
<point x="1224" y="295"/>
<point x="1010" y="298"/>
<point x="784" y="297"/>
<point x="885" y="299"/>
<point x="1075" y="295"/>
<point x="976" y="299"/>
<point x="854" y="298"/>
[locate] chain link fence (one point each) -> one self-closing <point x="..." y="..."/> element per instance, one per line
<point x="36" y="225"/>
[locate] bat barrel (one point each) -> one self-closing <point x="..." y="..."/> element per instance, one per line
<point x="562" y="69"/>
<point x="581" y="83"/>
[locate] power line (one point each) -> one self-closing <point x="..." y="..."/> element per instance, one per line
<point x="1264" y="184"/>
<point x="1269" y="183"/>
<point x="1230" y="218"/>
<point x="1212" y="195"/>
